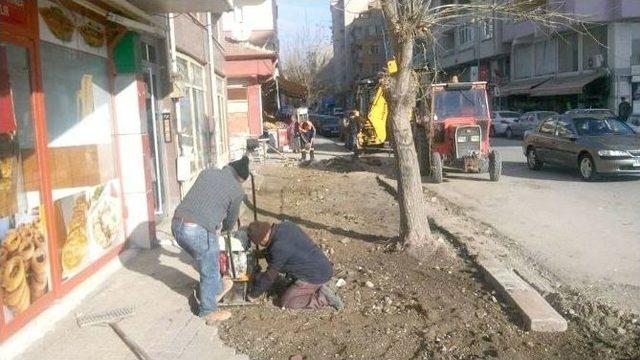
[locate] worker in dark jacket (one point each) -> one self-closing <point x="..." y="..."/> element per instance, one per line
<point x="290" y="251"/>
<point x="212" y="205"/>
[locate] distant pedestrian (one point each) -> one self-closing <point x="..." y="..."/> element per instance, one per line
<point x="211" y="205"/>
<point x="624" y="109"/>
<point x="307" y="136"/>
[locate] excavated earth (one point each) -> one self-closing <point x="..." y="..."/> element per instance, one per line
<point x="397" y="306"/>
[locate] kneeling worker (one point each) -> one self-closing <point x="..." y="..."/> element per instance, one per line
<point x="290" y="251"/>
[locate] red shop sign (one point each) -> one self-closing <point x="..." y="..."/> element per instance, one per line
<point x="13" y="12"/>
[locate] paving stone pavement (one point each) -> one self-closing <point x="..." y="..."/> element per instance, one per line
<point x="157" y="283"/>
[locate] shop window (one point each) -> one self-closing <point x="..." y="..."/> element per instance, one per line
<point x="195" y="133"/>
<point x="486" y="27"/>
<point x="82" y="166"/>
<point x="23" y="251"/>
<point x="568" y="53"/>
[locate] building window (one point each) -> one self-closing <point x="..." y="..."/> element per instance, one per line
<point x="568" y="53"/>
<point x="447" y="42"/>
<point x="486" y="27"/>
<point x="523" y="61"/>
<point x="545" y="57"/>
<point x="594" y="49"/>
<point x="221" y="115"/>
<point x="465" y="35"/>
<point x="635" y="52"/>
<point x="238" y="101"/>
<point x="195" y="134"/>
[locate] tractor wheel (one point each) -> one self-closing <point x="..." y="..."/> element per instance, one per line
<point x="495" y="165"/>
<point x="436" y="168"/>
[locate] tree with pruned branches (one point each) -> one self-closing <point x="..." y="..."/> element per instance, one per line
<point x="410" y="20"/>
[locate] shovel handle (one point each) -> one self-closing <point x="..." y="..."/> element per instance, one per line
<point x="132" y="345"/>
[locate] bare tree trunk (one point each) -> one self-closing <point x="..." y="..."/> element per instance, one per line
<point x="401" y="91"/>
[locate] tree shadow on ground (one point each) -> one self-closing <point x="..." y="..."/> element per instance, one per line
<point x="376" y="239"/>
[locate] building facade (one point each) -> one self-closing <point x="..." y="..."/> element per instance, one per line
<point x="531" y="68"/>
<point x="101" y="132"/>
<point x="251" y="54"/>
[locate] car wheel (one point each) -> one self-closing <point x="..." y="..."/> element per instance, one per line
<point x="533" y="162"/>
<point x="587" y="168"/>
<point x="495" y="166"/>
<point x="509" y="133"/>
<point x="436" y="168"/>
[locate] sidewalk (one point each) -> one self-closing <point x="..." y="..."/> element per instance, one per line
<point x="157" y="283"/>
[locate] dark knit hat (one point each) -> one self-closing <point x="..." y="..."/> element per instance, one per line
<point x="241" y="167"/>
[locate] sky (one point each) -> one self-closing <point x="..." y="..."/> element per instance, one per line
<point x="293" y="14"/>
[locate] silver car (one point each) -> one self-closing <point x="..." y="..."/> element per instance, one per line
<point x="527" y="121"/>
<point x="592" y="145"/>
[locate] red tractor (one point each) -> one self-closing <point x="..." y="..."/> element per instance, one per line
<point x="458" y="130"/>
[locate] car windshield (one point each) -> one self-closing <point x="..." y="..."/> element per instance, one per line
<point x="460" y="103"/>
<point x="509" y="114"/>
<point x="599" y="127"/>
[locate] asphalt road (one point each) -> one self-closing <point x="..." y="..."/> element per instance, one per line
<point x="587" y="234"/>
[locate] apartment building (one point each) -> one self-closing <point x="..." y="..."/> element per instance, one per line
<point x="529" y="67"/>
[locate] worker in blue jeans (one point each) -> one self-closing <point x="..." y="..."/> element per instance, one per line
<point x="212" y="205"/>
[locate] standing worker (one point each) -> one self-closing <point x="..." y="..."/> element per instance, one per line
<point x="290" y="251"/>
<point x="624" y="110"/>
<point x="355" y="128"/>
<point x="307" y="135"/>
<point x="212" y="205"/>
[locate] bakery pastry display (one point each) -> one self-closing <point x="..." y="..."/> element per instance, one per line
<point x="75" y="247"/>
<point x="24" y="270"/>
<point x="105" y="221"/>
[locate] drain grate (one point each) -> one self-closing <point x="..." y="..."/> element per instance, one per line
<point x="105" y="317"/>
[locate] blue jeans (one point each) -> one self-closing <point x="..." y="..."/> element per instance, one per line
<point x="203" y="246"/>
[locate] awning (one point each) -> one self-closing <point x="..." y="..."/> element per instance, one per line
<point x="183" y="6"/>
<point x="565" y="85"/>
<point x="521" y="87"/>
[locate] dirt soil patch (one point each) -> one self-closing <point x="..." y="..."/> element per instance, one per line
<point x="397" y="307"/>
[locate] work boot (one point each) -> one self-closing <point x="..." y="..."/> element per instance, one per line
<point x="215" y="317"/>
<point x="304" y="155"/>
<point x="332" y="297"/>
<point x="227" y="284"/>
<point x="312" y="155"/>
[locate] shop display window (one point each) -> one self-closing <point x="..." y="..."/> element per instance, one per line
<point x="24" y="258"/>
<point x="85" y="187"/>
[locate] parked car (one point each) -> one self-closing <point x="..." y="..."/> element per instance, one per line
<point x="329" y="126"/>
<point x="500" y="120"/>
<point x="634" y="122"/>
<point x="602" y="113"/>
<point x="527" y="121"/>
<point x="592" y="145"/>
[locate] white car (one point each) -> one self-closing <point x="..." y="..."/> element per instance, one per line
<point x="500" y="121"/>
<point x="634" y="122"/>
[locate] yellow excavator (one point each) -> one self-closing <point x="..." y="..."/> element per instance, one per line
<point x="372" y="107"/>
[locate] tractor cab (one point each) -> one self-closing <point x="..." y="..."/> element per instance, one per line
<point x="460" y="121"/>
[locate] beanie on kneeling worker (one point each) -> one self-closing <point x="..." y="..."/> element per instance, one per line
<point x="241" y="167"/>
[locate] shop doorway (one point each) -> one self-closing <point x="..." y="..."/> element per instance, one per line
<point x="153" y="115"/>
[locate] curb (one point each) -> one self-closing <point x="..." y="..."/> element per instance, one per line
<point x="535" y="312"/>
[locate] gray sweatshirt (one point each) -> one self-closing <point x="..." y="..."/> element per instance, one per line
<point x="213" y="200"/>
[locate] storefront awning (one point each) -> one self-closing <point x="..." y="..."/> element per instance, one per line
<point x="184" y="6"/>
<point x="565" y="85"/>
<point x="521" y="87"/>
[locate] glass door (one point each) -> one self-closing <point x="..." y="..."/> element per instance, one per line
<point x="150" y="79"/>
<point x="24" y="255"/>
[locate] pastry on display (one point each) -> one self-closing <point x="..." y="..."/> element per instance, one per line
<point x="105" y="222"/>
<point x="24" y="270"/>
<point x="60" y="25"/>
<point x="75" y="247"/>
